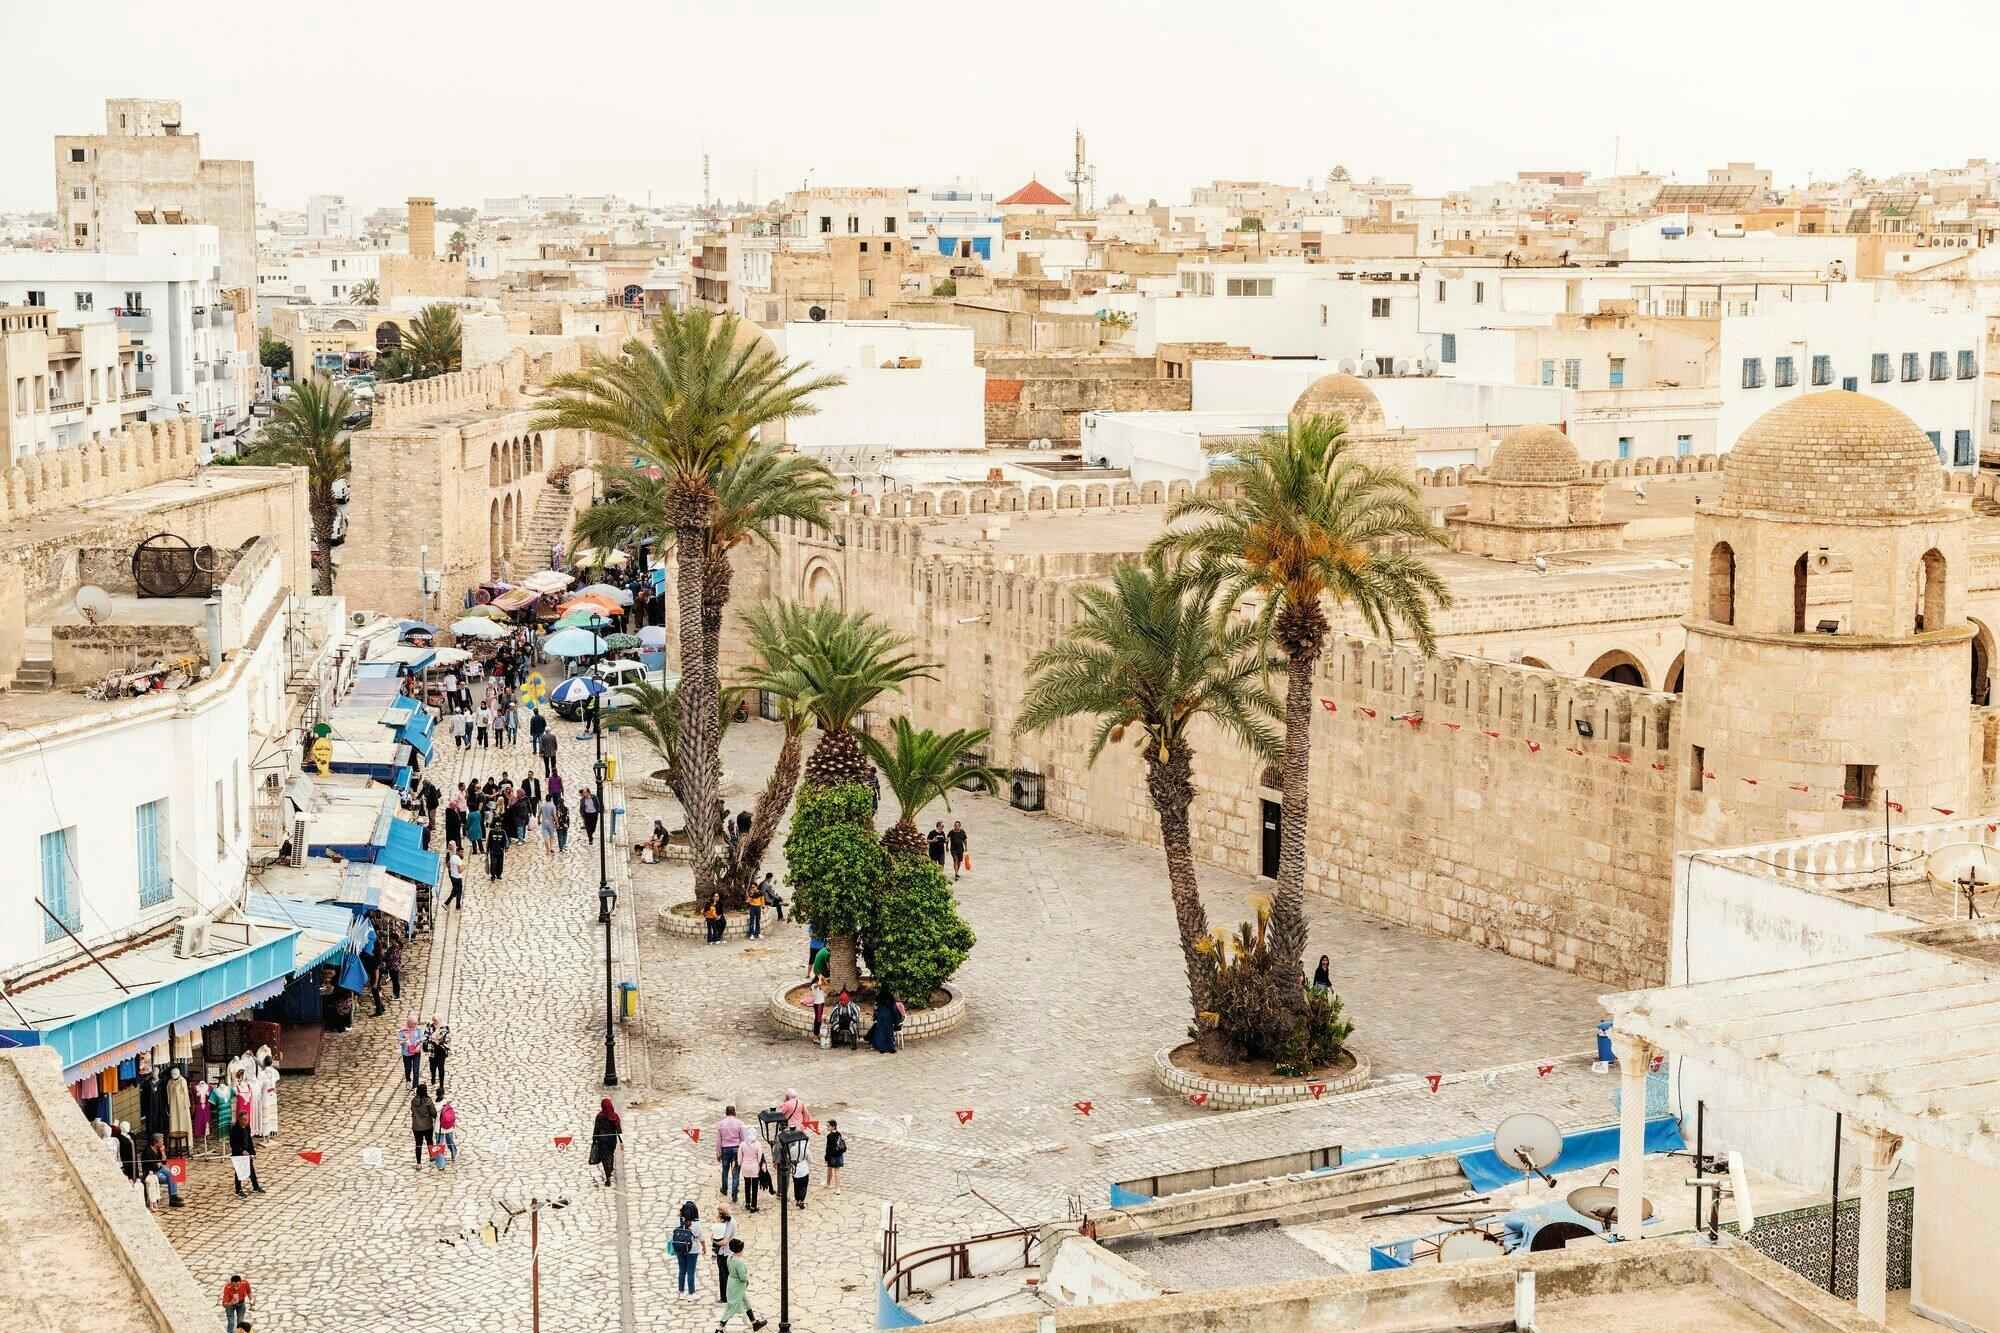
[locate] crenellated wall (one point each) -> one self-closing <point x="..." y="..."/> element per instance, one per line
<point x="1530" y="839"/>
<point x="139" y="455"/>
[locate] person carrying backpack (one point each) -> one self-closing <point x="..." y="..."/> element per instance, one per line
<point x="681" y="1245"/>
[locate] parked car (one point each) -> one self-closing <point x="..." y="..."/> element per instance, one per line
<point x="621" y="674"/>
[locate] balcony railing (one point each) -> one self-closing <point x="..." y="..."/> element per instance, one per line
<point x="134" y="395"/>
<point x="66" y="409"/>
<point x="135" y="320"/>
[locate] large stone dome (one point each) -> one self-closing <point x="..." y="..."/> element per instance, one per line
<point x="1341" y="396"/>
<point x="1832" y="455"/>
<point x="1535" y="452"/>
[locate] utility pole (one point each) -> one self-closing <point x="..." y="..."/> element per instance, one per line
<point x="704" y="180"/>
<point x="1080" y="179"/>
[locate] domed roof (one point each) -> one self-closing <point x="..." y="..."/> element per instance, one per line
<point x="1831" y="455"/>
<point x="1535" y="452"/>
<point x="1341" y="396"/>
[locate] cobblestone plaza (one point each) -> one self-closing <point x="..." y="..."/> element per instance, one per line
<point x="1074" y="983"/>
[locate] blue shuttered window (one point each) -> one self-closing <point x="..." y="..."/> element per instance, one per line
<point x="152" y="837"/>
<point x="59" y="892"/>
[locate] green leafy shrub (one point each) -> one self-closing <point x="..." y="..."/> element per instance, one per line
<point x="1260" y="1015"/>
<point x="919" y="940"/>
<point x="834" y="863"/>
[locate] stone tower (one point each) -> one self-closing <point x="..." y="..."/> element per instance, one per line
<point x="423" y="227"/>
<point x="1827" y="644"/>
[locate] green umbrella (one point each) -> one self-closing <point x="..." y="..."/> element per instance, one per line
<point x="621" y="641"/>
<point x="485" y="612"/>
<point x="581" y="619"/>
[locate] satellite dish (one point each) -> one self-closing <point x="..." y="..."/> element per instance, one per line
<point x="1529" y="1143"/>
<point x="1468" y="1244"/>
<point x="94" y="602"/>
<point x="1739" y="1189"/>
<point x="1348" y="366"/>
<point x="817" y="314"/>
<point x="1402" y="365"/>
<point x="1559" y="1236"/>
<point x="1600" y="1203"/>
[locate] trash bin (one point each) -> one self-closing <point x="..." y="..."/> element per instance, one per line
<point x="628" y="1000"/>
<point x="1604" y="1041"/>
<point x="611" y="768"/>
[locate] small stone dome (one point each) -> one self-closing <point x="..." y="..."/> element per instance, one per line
<point x="1831" y="455"/>
<point x="1341" y="396"/>
<point x="1535" y="452"/>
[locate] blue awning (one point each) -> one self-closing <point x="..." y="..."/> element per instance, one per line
<point x="335" y="929"/>
<point x="416" y="733"/>
<point x="377" y="671"/>
<point x="91" y="1023"/>
<point x="404" y="855"/>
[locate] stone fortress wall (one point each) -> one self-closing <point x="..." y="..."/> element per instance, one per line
<point x="1508" y="840"/>
<point x="138" y="455"/>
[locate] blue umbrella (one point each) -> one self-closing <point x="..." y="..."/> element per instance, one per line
<point x="579" y="689"/>
<point x="573" y="643"/>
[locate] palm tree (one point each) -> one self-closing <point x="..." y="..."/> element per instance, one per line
<point x="924" y="767"/>
<point x="1299" y="517"/>
<point x="847" y="662"/>
<point x="307" y="429"/>
<point x="687" y="402"/>
<point x="457" y="244"/>
<point x="772" y="631"/>
<point x="366" y="292"/>
<point x="1151" y="652"/>
<point x="754" y="489"/>
<point x="433" y="344"/>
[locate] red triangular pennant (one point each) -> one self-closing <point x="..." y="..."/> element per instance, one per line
<point x="1534" y="747"/>
<point x="1658" y="1060"/>
<point x="694" y="1135"/>
<point x="1329" y="705"/>
<point x="1451" y="726"/>
<point x="1434" y="1080"/>
<point x="1316" y="1089"/>
<point x="1940" y="809"/>
<point x="1573" y="750"/>
<point x="963" y="1116"/>
<point x="1082" y="1106"/>
<point x="1369" y="711"/>
<point x="311" y="1156"/>
<point x="1198" y="1098"/>
<point x="1897" y="806"/>
<point x="1659" y="768"/>
<point x="1751" y="781"/>
<point x="1798" y="786"/>
<point x="812" y="1125"/>
<point x="564" y="1140"/>
<point x="1494" y="734"/>
<point x="1543" y="1071"/>
<point x="1620" y="758"/>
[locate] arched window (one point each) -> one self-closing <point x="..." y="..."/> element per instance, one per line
<point x="1930" y="592"/>
<point x="493" y="466"/>
<point x="1619" y="668"/>
<point x="1722" y="584"/>
<point x="1800" y="577"/>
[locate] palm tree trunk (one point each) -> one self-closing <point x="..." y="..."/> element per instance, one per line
<point x="714" y="598"/>
<point x="1301" y="631"/>
<point x="1170" y="784"/>
<point x="323" y="512"/>
<point x="903" y="838"/>
<point x="748" y="861"/>
<point x="843" y="969"/>
<point x="699" y="757"/>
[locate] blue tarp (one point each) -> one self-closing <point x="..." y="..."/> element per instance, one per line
<point x="404" y="855"/>
<point x="377" y="671"/>
<point x="327" y="918"/>
<point x="1124" y="1198"/>
<point x="1586" y="1147"/>
<point x="416" y="733"/>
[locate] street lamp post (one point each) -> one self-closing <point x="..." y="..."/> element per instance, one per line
<point x="782" y="1141"/>
<point x="607" y="897"/>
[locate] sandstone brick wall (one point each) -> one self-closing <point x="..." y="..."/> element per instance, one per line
<point x="1559" y="857"/>
<point x="140" y="455"/>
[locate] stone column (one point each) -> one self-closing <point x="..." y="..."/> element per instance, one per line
<point x="1875" y="1149"/>
<point x="1635" y="1061"/>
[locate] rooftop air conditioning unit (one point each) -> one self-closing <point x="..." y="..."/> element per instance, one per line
<point x="359" y="618"/>
<point x="191" y="937"/>
<point x="1025" y="791"/>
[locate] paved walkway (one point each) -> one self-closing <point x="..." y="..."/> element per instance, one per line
<point x="1075" y="982"/>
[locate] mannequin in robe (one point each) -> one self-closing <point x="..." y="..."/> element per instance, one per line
<point x="180" y="1125"/>
<point x="201" y="1110"/>
<point x="267" y="1095"/>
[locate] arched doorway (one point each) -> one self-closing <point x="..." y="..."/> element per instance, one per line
<point x="507" y="527"/>
<point x="493" y="538"/>
<point x="820" y="585"/>
<point x="1982" y="664"/>
<point x="493" y="466"/>
<point x="1675" y="673"/>
<point x="1618" y="667"/>
<point x="1537" y="663"/>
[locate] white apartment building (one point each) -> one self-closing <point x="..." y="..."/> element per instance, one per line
<point x="332" y="216"/>
<point x="318" y="278"/>
<point x="909" y="387"/>
<point x="1363" y="310"/>
<point x="823" y="211"/>
<point x="63" y="386"/>
<point x="168" y="297"/>
<point x="1931" y="364"/>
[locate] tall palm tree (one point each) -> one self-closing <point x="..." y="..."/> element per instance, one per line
<point x="754" y="489"/>
<point x="306" y="429"/>
<point x="687" y="402"/>
<point x="366" y="292"/>
<point x="1151" y="652"/>
<point x="1300" y="517"/>
<point x="433" y="344"/>
<point x="772" y="631"/>
<point x="847" y="662"/>
<point x="924" y="767"/>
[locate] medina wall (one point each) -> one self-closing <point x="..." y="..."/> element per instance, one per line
<point x="1450" y="793"/>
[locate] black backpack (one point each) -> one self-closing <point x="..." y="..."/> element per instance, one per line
<point x="682" y="1241"/>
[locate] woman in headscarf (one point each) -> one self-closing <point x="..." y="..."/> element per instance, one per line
<point x="605" y="1132"/>
<point x="888" y="1018"/>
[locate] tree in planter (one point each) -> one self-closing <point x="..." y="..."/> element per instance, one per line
<point x="836" y="869"/>
<point x="924" y="767"/>
<point x="918" y="941"/>
<point x="306" y="430"/>
<point x="687" y="403"/>
<point x="1151" y="652"/>
<point x="1256" y="1010"/>
<point x="1300" y="517"/>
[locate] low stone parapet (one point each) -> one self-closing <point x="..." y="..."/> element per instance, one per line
<point x="918" y="1024"/>
<point x="1219" y="1094"/>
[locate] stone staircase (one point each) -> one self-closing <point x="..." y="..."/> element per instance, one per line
<point x="35" y="675"/>
<point x="548" y="526"/>
<point x="1985" y="504"/>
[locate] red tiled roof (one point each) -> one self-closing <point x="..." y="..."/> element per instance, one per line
<point x="1034" y="192"/>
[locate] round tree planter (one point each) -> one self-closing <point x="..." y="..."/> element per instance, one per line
<point x="1222" y="1094"/>
<point x="681" y="920"/>
<point x="918" y="1024"/>
<point x="655" y="785"/>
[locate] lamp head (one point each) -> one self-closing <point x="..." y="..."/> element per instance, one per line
<point x="607" y="899"/>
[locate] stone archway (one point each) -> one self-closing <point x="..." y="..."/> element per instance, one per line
<point x="493" y="538"/>
<point x="821" y="583"/>
<point x="1674" y="678"/>
<point x="1982" y="664"/>
<point x="507" y="526"/>
<point x="493" y="465"/>
<point x="1619" y="668"/>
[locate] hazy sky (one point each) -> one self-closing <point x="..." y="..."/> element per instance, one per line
<point x="504" y="97"/>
